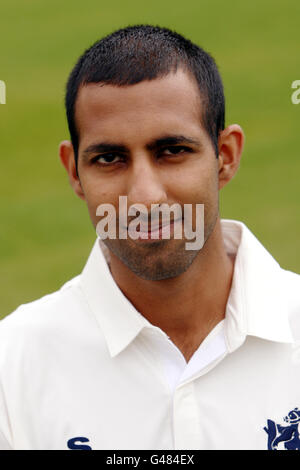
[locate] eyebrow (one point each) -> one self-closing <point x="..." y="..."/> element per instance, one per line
<point x="102" y="147"/>
<point x="164" y="141"/>
<point x="171" y="140"/>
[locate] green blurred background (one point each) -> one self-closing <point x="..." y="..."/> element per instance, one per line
<point x="45" y="231"/>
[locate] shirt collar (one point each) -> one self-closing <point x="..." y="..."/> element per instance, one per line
<point x="118" y="319"/>
<point x="255" y="305"/>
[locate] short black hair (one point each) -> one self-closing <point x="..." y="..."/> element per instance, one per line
<point x="143" y="52"/>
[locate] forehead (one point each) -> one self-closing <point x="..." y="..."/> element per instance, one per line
<point x="171" y="104"/>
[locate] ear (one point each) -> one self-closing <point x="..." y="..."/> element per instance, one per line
<point x="67" y="157"/>
<point x="231" y="143"/>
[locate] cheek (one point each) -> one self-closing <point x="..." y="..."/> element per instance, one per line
<point x="97" y="192"/>
<point x="198" y="185"/>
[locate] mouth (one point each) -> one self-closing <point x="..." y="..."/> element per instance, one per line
<point x="156" y="232"/>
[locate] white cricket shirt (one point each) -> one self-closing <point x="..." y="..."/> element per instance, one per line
<point x="81" y="367"/>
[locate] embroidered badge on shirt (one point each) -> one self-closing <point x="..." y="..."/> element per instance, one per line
<point x="76" y="443"/>
<point x="287" y="435"/>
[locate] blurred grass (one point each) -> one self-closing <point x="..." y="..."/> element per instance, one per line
<point x="45" y="230"/>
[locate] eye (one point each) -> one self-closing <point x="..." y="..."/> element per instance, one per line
<point x="108" y="159"/>
<point x="175" y="150"/>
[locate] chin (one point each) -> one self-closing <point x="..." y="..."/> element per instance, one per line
<point x="155" y="263"/>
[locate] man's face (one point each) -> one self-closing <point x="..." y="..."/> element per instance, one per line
<point x="149" y="145"/>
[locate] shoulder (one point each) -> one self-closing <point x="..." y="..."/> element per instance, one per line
<point x="290" y="290"/>
<point x="290" y="283"/>
<point x="52" y="312"/>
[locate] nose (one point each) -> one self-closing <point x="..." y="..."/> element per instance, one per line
<point x="145" y="185"/>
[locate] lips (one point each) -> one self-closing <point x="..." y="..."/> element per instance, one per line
<point x="153" y="228"/>
<point x="158" y="232"/>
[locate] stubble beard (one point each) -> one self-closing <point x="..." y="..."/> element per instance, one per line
<point x="154" y="262"/>
<point x="163" y="259"/>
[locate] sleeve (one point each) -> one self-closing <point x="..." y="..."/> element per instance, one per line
<point x="4" y="445"/>
<point x="5" y="429"/>
<point x="4" y="425"/>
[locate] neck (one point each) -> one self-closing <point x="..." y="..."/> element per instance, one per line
<point x="188" y="306"/>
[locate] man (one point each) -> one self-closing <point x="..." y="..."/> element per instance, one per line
<point x="154" y="346"/>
